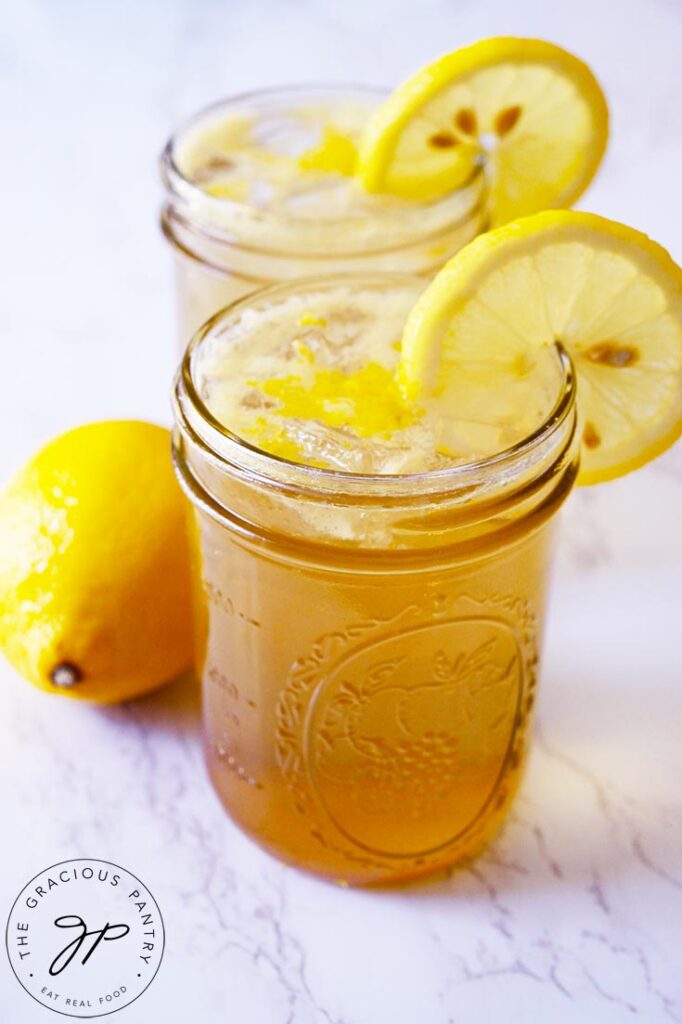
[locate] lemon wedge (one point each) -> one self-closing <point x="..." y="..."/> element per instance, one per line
<point x="607" y="293"/>
<point x="531" y="112"/>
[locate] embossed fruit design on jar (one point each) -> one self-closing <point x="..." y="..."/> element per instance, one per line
<point x="412" y="738"/>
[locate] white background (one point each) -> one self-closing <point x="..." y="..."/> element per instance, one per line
<point x="575" y="914"/>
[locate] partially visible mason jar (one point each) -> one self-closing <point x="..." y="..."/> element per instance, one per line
<point x="226" y="247"/>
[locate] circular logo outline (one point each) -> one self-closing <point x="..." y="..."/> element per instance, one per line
<point x="62" y="864"/>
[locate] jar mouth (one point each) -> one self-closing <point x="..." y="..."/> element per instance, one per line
<point x="226" y="219"/>
<point x="543" y="447"/>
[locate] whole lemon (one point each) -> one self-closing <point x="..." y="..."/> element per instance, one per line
<point x="94" y="564"/>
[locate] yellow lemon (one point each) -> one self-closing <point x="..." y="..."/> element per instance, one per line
<point x="608" y="294"/>
<point x="94" y="565"/>
<point x="529" y="111"/>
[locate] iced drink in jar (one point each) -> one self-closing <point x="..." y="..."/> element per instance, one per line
<point x="370" y="575"/>
<point x="259" y="189"/>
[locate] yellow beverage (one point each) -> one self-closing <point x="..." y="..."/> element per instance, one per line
<point x="370" y="576"/>
<point x="259" y="189"/>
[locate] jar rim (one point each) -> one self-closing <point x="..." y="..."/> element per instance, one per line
<point x="548" y="441"/>
<point x="192" y="205"/>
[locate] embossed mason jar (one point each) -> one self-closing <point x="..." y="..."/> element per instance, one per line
<point x="225" y="248"/>
<point x="368" y="645"/>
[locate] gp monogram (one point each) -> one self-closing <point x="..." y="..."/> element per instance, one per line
<point x="85" y="938"/>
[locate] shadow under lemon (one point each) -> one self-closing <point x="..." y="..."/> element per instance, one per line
<point x="175" y="709"/>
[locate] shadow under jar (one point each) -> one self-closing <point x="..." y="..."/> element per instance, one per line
<point x="368" y="644"/>
<point x="242" y="213"/>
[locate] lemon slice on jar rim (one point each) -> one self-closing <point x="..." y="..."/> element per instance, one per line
<point x="531" y="112"/>
<point x="607" y="293"/>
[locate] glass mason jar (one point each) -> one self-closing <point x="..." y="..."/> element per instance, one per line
<point x="368" y="645"/>
<point x="225" y="249"/>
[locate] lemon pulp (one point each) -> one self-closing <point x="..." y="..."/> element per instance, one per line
<point x="310" y="376"/>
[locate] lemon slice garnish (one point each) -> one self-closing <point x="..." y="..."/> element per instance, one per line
<point x="531" y="111"/>
<point x="607" y="293"/>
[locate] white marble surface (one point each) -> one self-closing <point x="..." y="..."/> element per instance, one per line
<point x="575" y="914"/>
